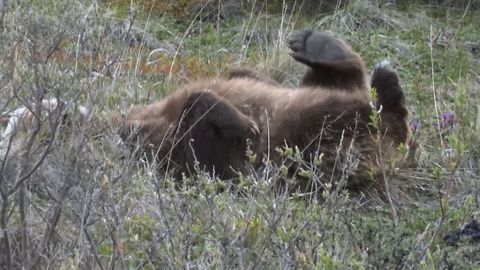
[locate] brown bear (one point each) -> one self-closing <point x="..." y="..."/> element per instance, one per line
<point x="330" y="118"/>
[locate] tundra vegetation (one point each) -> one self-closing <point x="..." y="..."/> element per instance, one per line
<point x="72" y="196"/>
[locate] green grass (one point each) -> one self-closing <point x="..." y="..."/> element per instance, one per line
<point x="119" y="212"/>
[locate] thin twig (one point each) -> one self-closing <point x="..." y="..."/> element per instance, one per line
<point x="431" y="41"/>
<point x="52" y="222"/>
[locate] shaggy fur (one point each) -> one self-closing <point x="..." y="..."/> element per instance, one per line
<point x="214" y="121"/>
<point x="239" y="72"/>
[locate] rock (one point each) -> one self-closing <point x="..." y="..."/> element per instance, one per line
<point x="469" y="232"/>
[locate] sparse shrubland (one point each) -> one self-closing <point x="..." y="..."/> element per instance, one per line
<point x="73" y="197"/>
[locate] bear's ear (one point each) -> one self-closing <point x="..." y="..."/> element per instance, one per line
<point x="331" y="61"/>
<point x="389" y="92"/>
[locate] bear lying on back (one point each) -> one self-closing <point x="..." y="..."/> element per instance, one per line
<point x="214" y="121"/>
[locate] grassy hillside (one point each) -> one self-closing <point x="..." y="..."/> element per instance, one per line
<point x="73" y="197"/>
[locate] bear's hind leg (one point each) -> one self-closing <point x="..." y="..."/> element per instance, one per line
<point x="332" y="63"/>
<point x="391" y="102"/>
<point x="214" y="133"/>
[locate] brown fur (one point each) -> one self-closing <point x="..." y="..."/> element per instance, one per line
<point x="239" y="72"/>
<point x="332" y="63"/>
<point x="211" y="121"/>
